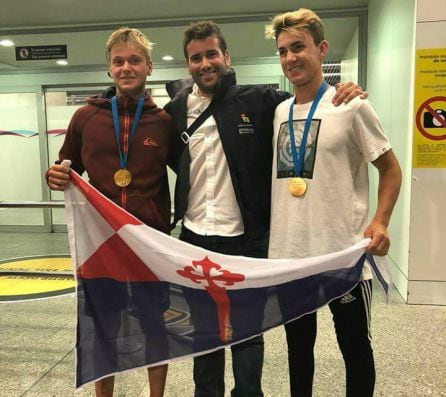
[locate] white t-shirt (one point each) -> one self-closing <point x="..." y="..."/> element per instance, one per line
<point x="333" y="213"/>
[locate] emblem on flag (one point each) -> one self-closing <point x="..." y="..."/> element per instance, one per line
<point x="215" y="280"/>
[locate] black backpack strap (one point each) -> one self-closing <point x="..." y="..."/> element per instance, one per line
<point x="185" y="135"/>
<point x="182" y="185"/>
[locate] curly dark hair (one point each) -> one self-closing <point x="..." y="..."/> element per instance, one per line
<point x="200" y="31"/>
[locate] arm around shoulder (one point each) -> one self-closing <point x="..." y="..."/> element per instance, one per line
<point x="345" y="92"/>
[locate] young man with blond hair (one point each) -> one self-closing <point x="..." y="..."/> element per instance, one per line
<point x="121" y="139"/>
<point x="320" y="195"/>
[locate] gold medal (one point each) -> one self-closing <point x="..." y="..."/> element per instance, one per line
<point x="297" y="187"/>
<point x="122" y="177"/>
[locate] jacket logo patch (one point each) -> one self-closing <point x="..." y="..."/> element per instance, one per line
<point x="150" y="142"/>
<point x="245" y="126"/>
<point x="245" y="118"/>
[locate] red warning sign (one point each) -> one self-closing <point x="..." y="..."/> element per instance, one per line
<point x="431" y="118"/>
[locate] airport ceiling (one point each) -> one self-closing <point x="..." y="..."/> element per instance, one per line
<point x="84" y="26"/>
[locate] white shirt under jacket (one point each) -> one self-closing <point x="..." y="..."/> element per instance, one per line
<point x="212" y="206"/>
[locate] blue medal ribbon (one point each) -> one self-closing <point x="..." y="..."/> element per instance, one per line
<point x="123" y="158"/>
<point x="298" y="158"/>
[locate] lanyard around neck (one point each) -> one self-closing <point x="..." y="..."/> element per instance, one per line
<point x="298" y="158"/>
<point x="123" y="158"/>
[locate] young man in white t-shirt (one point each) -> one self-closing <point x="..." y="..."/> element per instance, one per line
<point x="320" y="195"/>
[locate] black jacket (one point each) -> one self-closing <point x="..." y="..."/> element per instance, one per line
<point x="244" y="117"/>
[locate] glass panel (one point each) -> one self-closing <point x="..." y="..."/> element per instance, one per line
<point x="20" y="179"/>
<point x="349" y="59"/>
<point x="60" y="107"/>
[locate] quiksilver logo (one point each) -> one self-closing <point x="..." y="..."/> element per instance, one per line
<point x="150" y="142"/>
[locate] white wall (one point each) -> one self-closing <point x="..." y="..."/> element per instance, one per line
<point x="427" y="270"/>
<point x="390" y="57"/>
<point x="397" y="30"/>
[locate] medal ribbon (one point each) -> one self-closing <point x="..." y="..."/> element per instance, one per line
<point x="298" y="158"/>
<point x="124" y="157"/>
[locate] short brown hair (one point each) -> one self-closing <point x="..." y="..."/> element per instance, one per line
<point x="200" y="31"/>
<point x="130" y="36"/>
<point x="294" y="22"/>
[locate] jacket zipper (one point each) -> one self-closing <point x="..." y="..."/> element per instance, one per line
<point x="125" y="148"/>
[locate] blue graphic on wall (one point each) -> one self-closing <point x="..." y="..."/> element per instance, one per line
<point x="30" y="134"/>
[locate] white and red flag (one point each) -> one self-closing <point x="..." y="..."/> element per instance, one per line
<point x="145" y="298"/>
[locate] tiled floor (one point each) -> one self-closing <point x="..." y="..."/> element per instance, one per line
<point x="36" y="346"/>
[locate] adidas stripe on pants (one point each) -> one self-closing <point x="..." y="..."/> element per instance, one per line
<point x="351" y="317"/>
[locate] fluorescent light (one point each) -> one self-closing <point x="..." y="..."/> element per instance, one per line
<point x="167" y="58"/>
<point x="62" y="62"/>
<point x="6" y="43"/>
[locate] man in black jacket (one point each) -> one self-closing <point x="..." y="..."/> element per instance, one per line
<point x="222" y="195"/>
